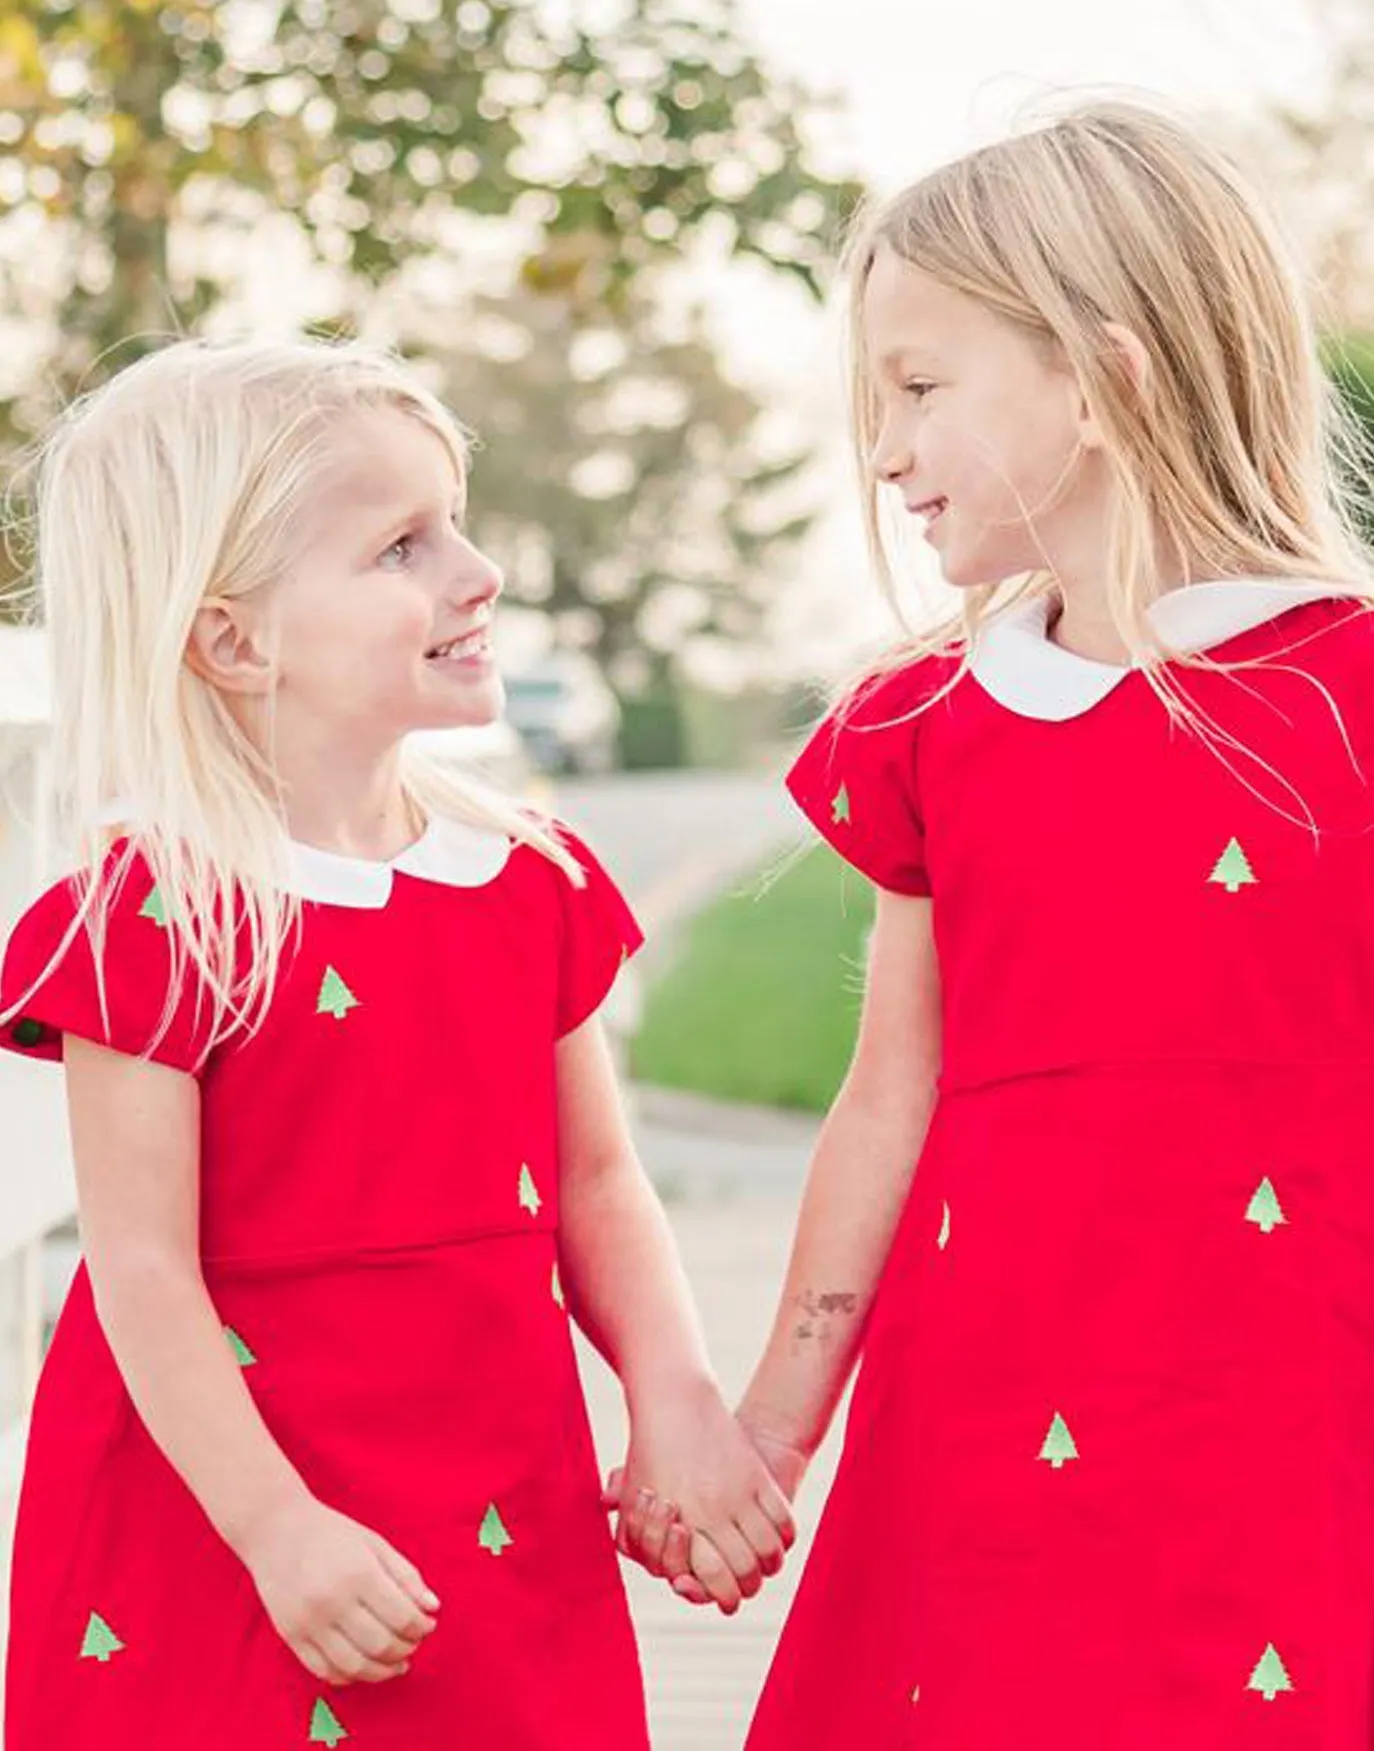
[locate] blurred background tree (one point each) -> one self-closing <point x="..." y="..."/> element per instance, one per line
<point x="1318" y="158"/>
<point x="644" y="499"/>
<point x="1350" y="365"/>
<point x="436" y="172"/>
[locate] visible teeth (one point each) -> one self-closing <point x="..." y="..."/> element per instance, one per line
<point x="471" y="644"/>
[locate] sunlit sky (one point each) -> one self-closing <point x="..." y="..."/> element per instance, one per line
<point x="924" y="81"/>
<point x="921" y="83"/>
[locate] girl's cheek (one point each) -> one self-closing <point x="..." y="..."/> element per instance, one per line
<point x="415" y="613"/>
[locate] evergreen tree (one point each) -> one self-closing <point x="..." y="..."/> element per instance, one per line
<point x="100" y="1641"/>
<point x="1264" y="1209"/>
<point x="335" y="998"/>
<point x="1059" y="1444"/>
<point x="493" y="1535"/>
<point x="1232" y="870"/>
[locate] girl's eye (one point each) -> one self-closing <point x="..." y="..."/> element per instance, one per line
<point x="398" y="554"/>
<point x="919" y="387"/>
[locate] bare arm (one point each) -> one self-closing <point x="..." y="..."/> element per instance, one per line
<point x="625" y="1283"/>
<point x="349" y="1605"/>
<point x="855" y="1190"/>
<point x="627" y="1289"/>
<point x="136" y="1141"/>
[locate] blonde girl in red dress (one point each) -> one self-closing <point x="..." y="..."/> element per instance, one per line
<point x="1108" y="1477"/>
<point x="309" y="1462"/>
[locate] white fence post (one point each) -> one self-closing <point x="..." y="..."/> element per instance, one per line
<point x="37" y="1190"/>
<point x="31" y="1315"/>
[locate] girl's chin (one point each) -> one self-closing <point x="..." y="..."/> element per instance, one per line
<point x="484" y="707"/>
<point x="974" y="575"/>
<point x="477" y="695"/>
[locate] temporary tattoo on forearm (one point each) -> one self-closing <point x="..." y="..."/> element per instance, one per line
<point x="819" y="1312"/>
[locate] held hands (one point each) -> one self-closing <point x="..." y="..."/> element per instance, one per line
<point x="351" y="1609"/>
<point x="702" y="1500"/>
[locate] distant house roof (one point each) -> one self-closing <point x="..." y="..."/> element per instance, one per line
<point x="25" y="695"/>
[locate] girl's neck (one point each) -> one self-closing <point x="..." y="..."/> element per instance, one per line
<point x="354" y="810"/>
<point x="341" y="792"/>
<point x="1082" y="621"/>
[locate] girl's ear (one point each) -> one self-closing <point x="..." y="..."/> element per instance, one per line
<point x="1132" y="356"/>
<point x="224" y="651"/>
<point x="1133" y="359"/>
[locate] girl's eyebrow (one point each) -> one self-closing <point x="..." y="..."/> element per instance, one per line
<point x="417" y="514"/>
<point x="904" y="357"/>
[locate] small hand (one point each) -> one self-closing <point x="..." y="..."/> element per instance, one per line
<point x="350" y="1606"/>
<point x="785" y="1459"/>
<point x="667" y="1537"/>
<point x="665" y="1544"/>
<point x="688" y="1454"/>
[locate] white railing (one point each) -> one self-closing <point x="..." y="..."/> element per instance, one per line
<point x="37" y="1194"/>
<point x="37" y="1188"/>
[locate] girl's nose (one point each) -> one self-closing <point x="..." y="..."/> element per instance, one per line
<point x="478" y="578"/>
<point x="889" y="459"/>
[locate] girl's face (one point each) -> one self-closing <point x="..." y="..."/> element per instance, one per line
<point x="383" y="625"/>
<point x="980" y="432"/>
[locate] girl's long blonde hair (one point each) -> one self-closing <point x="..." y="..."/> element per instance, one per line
<point x="185" y="478"/>
<point x="1236" y="449"/>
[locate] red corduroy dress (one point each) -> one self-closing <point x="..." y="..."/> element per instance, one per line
<point x="1108" y="1478"/>
<point x="379" y="1234"/>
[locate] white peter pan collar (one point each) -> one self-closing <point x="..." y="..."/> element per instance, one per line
<point x="1016" y="661"/>
<point x="451" y="853"/>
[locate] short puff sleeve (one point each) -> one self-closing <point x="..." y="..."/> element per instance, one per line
<point x="599" y="934"/>
<point x="48" y="990"/>
<point x="856" y="778"/>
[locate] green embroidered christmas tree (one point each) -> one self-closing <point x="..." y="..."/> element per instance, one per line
<point x="493" y="1535"/>
<point x="556" y="1286"/>
<point x="325" y="1726"/>
<point x="529" y="1192"/>
<point x="153" y="908"/>
<point x="1270" y="1676"/>
<point x="1264" y="1209"/>
<point x="100" y="1641"/>
<point x="335" y="998"/>
<point x="242" y="1354"/>
<point x="942" y="1239"/>
<point x="1233" y="870"/>
<point x="1059" y="1444"/>
<point x="839" y="807"/>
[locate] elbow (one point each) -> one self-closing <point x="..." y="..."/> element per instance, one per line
<point x="902" y="1094"/>
<point x="886" y="1117"/>
<point x="598" y="1178"/>
<point x="142" y="1285"/>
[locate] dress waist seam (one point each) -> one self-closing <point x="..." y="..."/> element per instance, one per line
<point x="966" y="1084"/>
<point x="362" y="1254"/>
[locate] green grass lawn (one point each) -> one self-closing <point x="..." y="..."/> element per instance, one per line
<point x="762" y="1003"/>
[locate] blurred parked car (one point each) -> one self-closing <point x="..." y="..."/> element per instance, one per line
<point x="494" y="751"/>
<point x="565" y="712"/>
